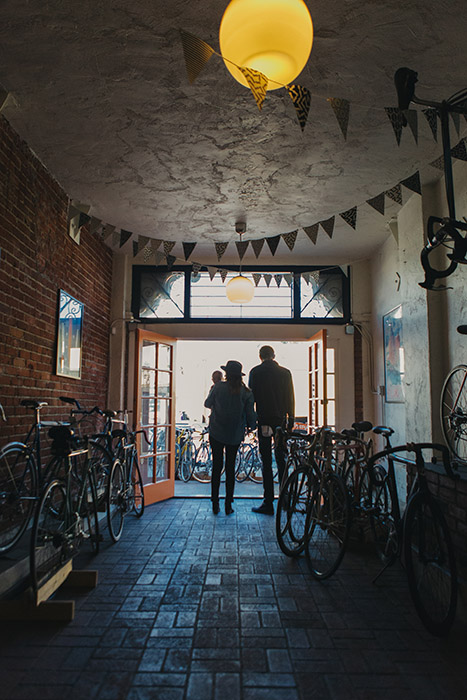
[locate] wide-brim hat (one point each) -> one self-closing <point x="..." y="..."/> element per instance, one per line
<point x="233" y="368"/>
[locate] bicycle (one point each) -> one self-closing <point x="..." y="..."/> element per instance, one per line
<point x="453" y="409"/>
<point x="184" y="453"/>
<point x="248" y="463"/>
<point x="202" y="470"/>
<point x="67" y="510"/>
<point x="419" y="536"/>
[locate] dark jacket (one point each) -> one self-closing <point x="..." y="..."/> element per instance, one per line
<point x="230" y="413"/>
<point x="272" y="388"/>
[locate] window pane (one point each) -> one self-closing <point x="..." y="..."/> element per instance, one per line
<point x="162" y="444"/>
<point x="148" y="412"/>
<point x="321" y="295"/>
<point x="331" y="414"/>
<point x="163" y="411"/>
<point x="164" y="358"/>
<point x="148" y="382"/>
<point x="147" y="445"/>
<point x="330" y="360"/>
<point x="331" y="386"/>
<point x="146" y="465"/>
<point x="148" y="354"/>
<point x="162" y="467"/>
<point x="162" y="295"/>
<point x="163" y="384"/>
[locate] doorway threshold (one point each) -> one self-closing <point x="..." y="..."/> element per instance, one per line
<point x="196" y="489"/>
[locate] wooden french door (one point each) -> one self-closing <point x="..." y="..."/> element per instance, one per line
<point x="155" y="412"/>
<point x="317" y="394"/>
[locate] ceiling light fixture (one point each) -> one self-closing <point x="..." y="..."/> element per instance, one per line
<point x="270" y="36"/>
<point x="240" y="289"/>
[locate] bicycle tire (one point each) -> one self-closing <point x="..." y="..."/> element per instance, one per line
<point x="202" y="470"/>
<point x="292" y="510"/>
<point x="101" y="464"/>
<point x="384" y="529"/>
<point x="137" y="488"/>
<point x="255" y="471"/>
<point x="116" y="501"/>
<point x="187" y="460"/>
<point x="328" y="526"/>
<point x="18" y="493"/>
<point x="49" y="550"/>
<point x="430" y="564"/>
<point x="453" y="411"/>
<point x="89" y="512"/>
<point x="241" y="471"/>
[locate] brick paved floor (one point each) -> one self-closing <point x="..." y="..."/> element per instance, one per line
<point x="196" y="607"/>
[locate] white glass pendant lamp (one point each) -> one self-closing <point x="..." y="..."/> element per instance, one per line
<point x="240" y="290"/>
<point x="271" y="36"/>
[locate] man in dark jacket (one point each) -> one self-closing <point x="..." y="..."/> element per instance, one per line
<point x="273" y="391"/>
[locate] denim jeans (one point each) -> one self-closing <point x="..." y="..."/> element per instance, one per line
<point x="217" y="449"/>
<point x="265" y="450"/>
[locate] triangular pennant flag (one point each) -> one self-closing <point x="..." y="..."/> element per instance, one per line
<point x="115" y="238"/>
<point x="155" y="243"/>
<point x="290" y="239"/>
<point x="188" y="248"/>
<point x="459" y="151"/>
<point x="314" y="275"/>
<point x="273" y="242"/>
<point x="94" y="224"/>
<point x="170" y="261"/>
<point x="412" y="120"/>
<point x="288" y="278"/>
<point x="344" y="270"/>
<point x="377" y="203"/>
<point x="432" y="119"/>
<point x="142" y="242"/>
<point x="196" y="267"/>
<point x="124" y="237"/>
<point x="413" y="183"/>
<point x="258" y="84"/>
<point x="257" y="246"/>
<point x="160" y="257"/>
<point x="267" y="279"/>
<point x="306" y="276"/>
<point x="241" y="248"/>
<point x="396" y="118"/>
<point x="223" y="274"/>
<point x="256" y="278"/>
<point x="301" y="99"/>
<point x="278" y="279"/>
<point x="312" y="232"/>
<point x="168" y="246"/>
<point x="197" y="53"/>
<point x="135" y="248"/>
<point x="83" y="219"/>
<point x="395" y="193"/>
<point x="341" y="110"/>
<point x="456" y="120"/>
<point x="107" y="231"/>
<point x="350" y="217"/>
<point x="328" y="225"/>
<point x="438" y="163"/>
<point x="220" y="250"/>
<point x="212" y="272"/>
<point x="147" y="254"/>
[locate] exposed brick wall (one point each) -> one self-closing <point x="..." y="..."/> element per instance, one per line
<point x="38" y="258"/>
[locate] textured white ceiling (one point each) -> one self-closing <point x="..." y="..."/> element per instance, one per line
<point x="104" y="101"/>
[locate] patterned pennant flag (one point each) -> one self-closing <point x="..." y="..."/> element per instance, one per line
<point x="377" y="203"/>
<point x="312" y="232"/>
<point x="396" y="118"/>
<point x="273" y="242"/>
<point x="432" y="119"/>
<point x="456" y="120"/>
<point x="142" y="242"/>
<point x="413" y="183"/>
<point x="341" y="110"/>
<point x="124" y="237"/>
<point x="147" y="254"/>
<point x="257" y="82"/>
<point x="306" y="276"/>
<point x="135" y="248"/>
<point x="83" y="219"/>
<point x="438" y="163"/>
<point x="301" y="99"/>
<point x="168" y="247"/>
<point x="459" y="151"/>
<point x="196" y="267"/>
<point x="108" y="230"/>
<point x="94" y="224"/>
<point x="220" y="250"/>
<point x="170" y="261"/>
<point x="328" y="225"/>
<point x="412" y="120"/>
<point x="155" y="243"/>
<point x="223" y="274"/>
<point x="395" y="193"/>
<point x="241" y="248"/>
<point x="290" y="239"/>
<point x="256" y="278"/>
<point x="188" y="248"/>
<point x="350" y="217"/>
<point x="212" y="272"/>
<point x="257" y="246"/>
<point x="289" y="278"/>
<point x="197" y="53"/>
<point x="267" y="279"/>
<point x="278" y="279"/>
<point x="160" y="257"/>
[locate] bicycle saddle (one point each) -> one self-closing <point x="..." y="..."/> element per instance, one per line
<point x="383" y="430"/>
<point x="32" y="403"/>
<point x="362" y="426"/>
<point x="462" y="330"/>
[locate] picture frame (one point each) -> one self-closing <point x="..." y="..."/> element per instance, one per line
<point x="393" y="356"/>
<point x="69" y="336"/>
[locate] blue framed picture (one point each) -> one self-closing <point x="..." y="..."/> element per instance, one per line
<point x="393" y="356"/>
<point x="69" y="336"/>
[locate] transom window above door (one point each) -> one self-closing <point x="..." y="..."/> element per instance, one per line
<point x="282" y="295"/>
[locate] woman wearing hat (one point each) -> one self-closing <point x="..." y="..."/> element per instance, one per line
<point x="232" y="410"/>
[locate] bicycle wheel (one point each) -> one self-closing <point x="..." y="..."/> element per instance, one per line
<point x="241" y="470"/>
<point x="116" y="501"/>
<point x="454" y="411"/>
<point x="378" y="506"/>
<point x="187" y="461"/>
<point x="291" y="514"/>
<point x="202" y="470"/>
<point x="101" y="464"/>
<point x="18" y="492"/>
<point x="328" y="525"/>
<point x="430" y="564"/>
<point x="255" y="468"/>
<point x="88" y="509"/>
<point x="49" y="541"/>
<point x="137" y="489"/>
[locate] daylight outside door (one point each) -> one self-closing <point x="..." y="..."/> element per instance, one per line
<point x="155" y="412"/>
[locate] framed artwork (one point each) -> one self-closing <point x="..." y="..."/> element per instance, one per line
<point x="69" y="336"/>
<point x="393" y="356"/>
